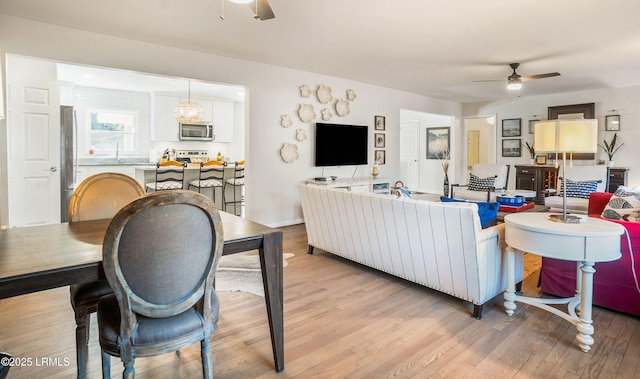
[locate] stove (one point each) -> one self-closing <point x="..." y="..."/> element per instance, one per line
<point x="192" y="156"/>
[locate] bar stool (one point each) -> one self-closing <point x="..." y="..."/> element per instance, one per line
<point x="169" y="176"/>
<point x="211" y="176"/>
<point x="234" y="183"/>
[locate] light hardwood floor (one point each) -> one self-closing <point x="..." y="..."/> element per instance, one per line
<point x="343" y="320"/>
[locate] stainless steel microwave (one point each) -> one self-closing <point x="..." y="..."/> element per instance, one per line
<point x="196" y="132"/>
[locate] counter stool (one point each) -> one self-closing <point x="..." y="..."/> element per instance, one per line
<point x="211" y="176"/>
<point x="169" y="176"/>
<point x="234" y="183"/>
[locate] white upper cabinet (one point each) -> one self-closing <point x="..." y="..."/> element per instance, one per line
<point x="222" y="121"/>
<point x="165" y="126"/>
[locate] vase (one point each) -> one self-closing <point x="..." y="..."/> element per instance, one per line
<point x="612" y="163"/>
<point x="446" y="185"/>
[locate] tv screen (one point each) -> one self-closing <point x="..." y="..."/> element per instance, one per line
<point x="341" y="145"/>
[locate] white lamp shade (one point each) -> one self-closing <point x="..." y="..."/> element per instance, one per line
<point x="568" y="136"/>
<point x="544" y="140"/>
<point x="578" y="136"/>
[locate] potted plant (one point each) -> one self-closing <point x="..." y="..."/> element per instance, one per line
<point x="532" y="151"/>
<point x="610" y="148"/>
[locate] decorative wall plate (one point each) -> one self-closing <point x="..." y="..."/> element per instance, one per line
<point x="285" y="121"/>
<point x="326" y="114"/>
<point x="342" y="107"/>
<point x="304" y="90"/>
<point x="351" y="95"/>
<point x="324" y="94"/>
<point x="289" y="152"/>
<point x="306" y="112"/>
<point x="301" y="135"/>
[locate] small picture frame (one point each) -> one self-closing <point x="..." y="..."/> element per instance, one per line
<point x="379" y="140"/>
<point x="612" y="123"/>
<point x="511" y="127"/>
<point x="380" y="156"/>
<point x="541" y="159"/>
<point x="532" y="125"/>
<point x="379" y="123"/>
<point x="512" y="147"/>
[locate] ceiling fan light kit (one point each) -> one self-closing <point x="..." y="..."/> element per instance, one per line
<point x="261" y="9"/>
<point x="514" y="81"/>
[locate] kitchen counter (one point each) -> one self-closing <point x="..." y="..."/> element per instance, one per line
<point x="114" y="162"/>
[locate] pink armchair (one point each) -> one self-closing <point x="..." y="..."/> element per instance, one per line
<point x="614" y="285"/>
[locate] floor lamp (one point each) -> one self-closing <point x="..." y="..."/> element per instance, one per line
<point x="566" y="137"/>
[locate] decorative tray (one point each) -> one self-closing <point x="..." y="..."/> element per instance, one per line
<point x="510" y="200"/>
<point x="520" y="208"/>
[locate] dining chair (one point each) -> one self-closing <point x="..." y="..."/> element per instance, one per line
<point x="162" y="278"/>
<point x="211" y="176"/>
<point x="236" y="183"/>
<point x="169" y="176"/>
<point x="97" y="197"/>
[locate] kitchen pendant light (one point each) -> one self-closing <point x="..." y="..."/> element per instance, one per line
<point x="188" y="112"/>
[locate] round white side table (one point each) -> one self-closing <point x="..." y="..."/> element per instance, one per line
<point x="590" y="241"/>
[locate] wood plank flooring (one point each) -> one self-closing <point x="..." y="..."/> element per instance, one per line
<point x="343" y="320"/>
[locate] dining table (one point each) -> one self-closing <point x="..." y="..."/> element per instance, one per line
<point x="38" y="258"/>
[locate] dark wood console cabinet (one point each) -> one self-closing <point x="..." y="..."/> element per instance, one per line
<point x="617" y="177"/>
<point x="538" y="178"/>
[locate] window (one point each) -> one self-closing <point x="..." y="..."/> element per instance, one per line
<point x="112" y="131"/>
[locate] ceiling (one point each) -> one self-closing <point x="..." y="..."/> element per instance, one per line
<point x="436" y="48"/>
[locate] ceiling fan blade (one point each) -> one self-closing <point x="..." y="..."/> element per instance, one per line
<point x="264" y="11"/>
<point x="540" y="76"/>
<point x="489" y="80"/>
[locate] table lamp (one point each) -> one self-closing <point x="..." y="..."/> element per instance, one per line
<point x="566" y="136"/>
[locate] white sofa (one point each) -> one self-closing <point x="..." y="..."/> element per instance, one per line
<point x="578" y="173"/>
<point x="438" y="245"/>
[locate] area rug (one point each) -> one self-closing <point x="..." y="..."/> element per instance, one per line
<point x="241" y="272"/>
<point x="532" y="263"/>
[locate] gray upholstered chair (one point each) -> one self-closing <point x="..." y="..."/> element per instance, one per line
<point x="582" y="180"/>
<point x="169" y="176"/>
<point x="485" y="182"/>
<point x="160" y="255"/>
<point x="211" y="176"/>
<point x="98" y="197"/>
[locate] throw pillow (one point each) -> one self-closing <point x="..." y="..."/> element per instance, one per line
<point x="487" y="211"/>
<point x="480" y="184"/>
<point x="623" y="205"/>
<point x="579" y="188"/>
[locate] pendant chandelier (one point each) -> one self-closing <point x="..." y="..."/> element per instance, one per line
<point x="188" y="112"/>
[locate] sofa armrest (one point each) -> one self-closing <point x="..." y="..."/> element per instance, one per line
<point x="597" y="202"/>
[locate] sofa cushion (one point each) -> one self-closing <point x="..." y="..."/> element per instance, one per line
<point x="623" y="205"/>
<point x="487" y="211"/>
<point x="480" y="184"/>
<point x="579" y="188"/>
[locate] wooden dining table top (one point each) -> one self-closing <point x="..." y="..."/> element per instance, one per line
<point x="36" y="250"/>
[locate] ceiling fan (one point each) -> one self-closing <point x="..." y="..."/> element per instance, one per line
<point x="514" y="81"/>
<point x="261" y="9"/>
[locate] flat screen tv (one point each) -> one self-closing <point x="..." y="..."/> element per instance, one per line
<point x="341" y="145"/>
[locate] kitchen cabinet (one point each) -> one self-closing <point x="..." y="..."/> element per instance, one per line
<point x="617" y="177"/>
<point x="165" y="127"/>
<point x="538" y="178"/>
<point x="223" y="120"/>
<point x="83" y="172"/>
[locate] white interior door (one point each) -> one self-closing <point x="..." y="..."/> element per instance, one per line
<point x="33" y="148"/>
<point x="409" y="152"/>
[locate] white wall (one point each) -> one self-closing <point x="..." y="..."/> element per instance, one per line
<point x="272" y="197"/>
<point x="625" y="100"/>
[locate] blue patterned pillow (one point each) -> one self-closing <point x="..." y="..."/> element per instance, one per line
<point x="623" y="205"/>
<point x="579" y="188"/>
<point x="481" y="184"/>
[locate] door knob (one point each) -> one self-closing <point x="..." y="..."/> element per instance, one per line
<point x="53" y="169"/>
